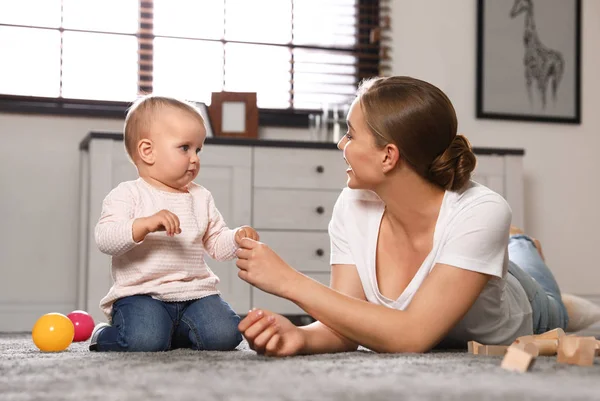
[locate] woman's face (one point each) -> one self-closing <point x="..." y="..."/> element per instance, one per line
<point x="364" y="158"/>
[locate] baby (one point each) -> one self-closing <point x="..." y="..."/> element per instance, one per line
<point x="157" y="230"/>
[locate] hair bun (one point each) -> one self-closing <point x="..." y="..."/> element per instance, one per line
<point x="452" y="169"/>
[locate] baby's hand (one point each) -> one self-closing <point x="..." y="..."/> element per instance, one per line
<point x="163" y="221"/>
<point x="245" y="232"/>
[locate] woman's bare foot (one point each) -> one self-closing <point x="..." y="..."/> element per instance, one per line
<point x="516" y="230"/>
<point x="582" y="313"/>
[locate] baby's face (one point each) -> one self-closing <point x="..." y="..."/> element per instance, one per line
<point x="177" y="137"/>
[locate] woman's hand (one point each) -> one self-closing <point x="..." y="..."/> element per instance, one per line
<point x="271" y="334"/>
<point x="260" y="266"/>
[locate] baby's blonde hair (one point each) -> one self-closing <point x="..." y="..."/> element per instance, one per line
<point x="141" y="114"/>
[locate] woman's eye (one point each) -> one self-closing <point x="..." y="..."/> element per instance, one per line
<point x="348" y="136"/>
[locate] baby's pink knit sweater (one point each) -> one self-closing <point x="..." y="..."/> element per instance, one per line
<point x="166" y="268"/>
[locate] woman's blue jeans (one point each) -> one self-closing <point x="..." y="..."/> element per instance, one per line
<point x="144" y="324"/>
<point x="527" y="266"/>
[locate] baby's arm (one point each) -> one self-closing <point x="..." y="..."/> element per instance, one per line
<point x="117" y="228"/>
<point x="219" y="240"/>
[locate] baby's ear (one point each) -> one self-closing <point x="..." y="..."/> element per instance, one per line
<point x="146" y="151"/>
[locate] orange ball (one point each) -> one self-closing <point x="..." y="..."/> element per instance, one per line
<point x="53" y="332"/>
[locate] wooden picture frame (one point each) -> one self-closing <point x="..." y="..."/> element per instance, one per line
<point x="234" y="114"/>
<point x="528" y="60"/>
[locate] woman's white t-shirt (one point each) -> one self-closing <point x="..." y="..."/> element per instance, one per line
<point x="471" y="233"/>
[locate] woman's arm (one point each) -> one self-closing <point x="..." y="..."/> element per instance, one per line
<point x="272" y="334"/>
<point x="443" y="299"/>
<point x="319" y="337"/>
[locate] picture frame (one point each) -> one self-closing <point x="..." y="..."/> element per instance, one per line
<point x="203" y="108"/>
<point x="529" y="60"/>
<point x="234" y="114"/>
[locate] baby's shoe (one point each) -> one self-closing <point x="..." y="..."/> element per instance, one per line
<point x="95" y="333"/>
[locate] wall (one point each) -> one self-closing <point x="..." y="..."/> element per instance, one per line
<point x="39" y="176"/>
<point x="435" y="40"/>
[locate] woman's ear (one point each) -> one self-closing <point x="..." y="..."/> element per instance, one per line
<point x="146" y="151"/>
<point x="391" y="156"/>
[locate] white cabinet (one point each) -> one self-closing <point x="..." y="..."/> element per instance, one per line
<point x="503" y="173"/>
<point x="294" y="193"/>
<point x="286" y="190"/>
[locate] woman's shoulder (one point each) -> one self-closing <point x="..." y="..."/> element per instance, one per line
<point x="476" y="197"/>
<point x="475" y="193"/>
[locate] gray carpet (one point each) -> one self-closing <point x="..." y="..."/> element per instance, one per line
<point x="77" y="374"/>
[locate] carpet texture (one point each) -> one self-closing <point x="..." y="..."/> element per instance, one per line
<point x="77" y="374"/>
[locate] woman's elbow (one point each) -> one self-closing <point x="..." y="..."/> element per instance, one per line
<point x="416" y="345"/>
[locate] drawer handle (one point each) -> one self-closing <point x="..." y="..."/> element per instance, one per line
<point x="320" y="210"/>
<point x="320" y="252"/>
<point x="320" y="169"/>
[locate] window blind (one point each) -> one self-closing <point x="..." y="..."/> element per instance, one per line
<point x="296" y="54"/>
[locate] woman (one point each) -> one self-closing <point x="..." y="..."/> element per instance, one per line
<point x="419" y="253"/>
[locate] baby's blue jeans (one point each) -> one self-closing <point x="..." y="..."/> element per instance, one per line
<point x="527" y="266"/>
<point x="144" y="324"/>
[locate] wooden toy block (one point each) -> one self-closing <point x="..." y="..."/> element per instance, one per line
<point x="493" y="350"/>
<point x="473" y="347"/>
<point x="528" y="347"/>
<point x="546" y="347"/>
<point x="577" y="351"/>
<point x="476" y="348"/>
<point x="517" y="359"/>
<point x="555" y="334"/>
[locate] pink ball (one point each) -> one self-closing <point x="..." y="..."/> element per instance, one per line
<point x="83" y="323"/>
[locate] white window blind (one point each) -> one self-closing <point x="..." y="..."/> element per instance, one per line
<point x="296" y="54"/>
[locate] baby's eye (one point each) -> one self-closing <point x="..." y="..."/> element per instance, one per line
<point x="185" y="148"/>
<point x="198" y="150"/>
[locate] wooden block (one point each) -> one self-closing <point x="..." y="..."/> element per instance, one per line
<point x="528" y="347"/>
<point x="473" y="347"/>
<point x="476" y="348"/>
<point x="551" y="335"/>
<point x="524" y="339"/>
<point x="517" y="359"/>
<point x="576" y="351"/>
<point x="493" y="350"/>
<point x="546" y="347"/>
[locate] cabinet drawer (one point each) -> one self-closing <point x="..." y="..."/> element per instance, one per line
<point x="305" y="251"/>
<point x="293" y="209"/>
<point x="299" y="168"/>
<point x="261" y="299"/>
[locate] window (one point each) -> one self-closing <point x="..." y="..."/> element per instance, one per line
<point x="95" y="56"/>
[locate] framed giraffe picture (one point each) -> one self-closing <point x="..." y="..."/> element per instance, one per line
<point x="528" y="60"/>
